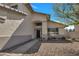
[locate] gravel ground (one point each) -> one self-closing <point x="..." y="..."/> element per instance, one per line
<point x="52" y="49"/>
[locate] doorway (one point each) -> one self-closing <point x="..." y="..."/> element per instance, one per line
<point x="38" y="33"/>
<point x="38" y="29"/>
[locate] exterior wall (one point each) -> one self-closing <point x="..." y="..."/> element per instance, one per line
<point x="77" y="28"/>
<point x="33" y="30"/>
<point x="44" y="30"/>
<point x="54" y="25"/>
<point x="61" y="31"/>
<point x="10" y="25"/>
<point x="7" y="29"/>
<point x="36" y="17"/>
<point x="16" y="29"/>
<point x="24" y="8"/>
<point x="75" y="34"/>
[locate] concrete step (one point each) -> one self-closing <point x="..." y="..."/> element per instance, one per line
<point x="24" y="48"/>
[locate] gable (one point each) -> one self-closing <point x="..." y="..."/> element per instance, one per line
<point x="39" y="17"/>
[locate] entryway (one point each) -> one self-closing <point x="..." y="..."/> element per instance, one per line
<point x="38" y="30"/>
<point x="38" y="33"/>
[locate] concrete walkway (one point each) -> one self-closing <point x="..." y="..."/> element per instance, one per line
<point x="50" y="49"/>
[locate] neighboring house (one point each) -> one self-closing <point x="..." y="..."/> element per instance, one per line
<point x="19" y="24"/>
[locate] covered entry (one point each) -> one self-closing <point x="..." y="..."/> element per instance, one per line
<point x="38" y="30"/>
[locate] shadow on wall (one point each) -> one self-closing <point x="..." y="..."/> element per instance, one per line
<point x="17" y="39"/>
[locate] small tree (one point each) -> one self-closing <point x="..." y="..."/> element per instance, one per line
<point x="67" y="12"/>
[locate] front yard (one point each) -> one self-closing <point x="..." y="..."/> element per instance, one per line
<point x="52" y="49"/>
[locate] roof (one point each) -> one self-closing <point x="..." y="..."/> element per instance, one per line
<point x="55" y="25"/>
<point x="12" y="9"/>
<point x="56" y="22"/>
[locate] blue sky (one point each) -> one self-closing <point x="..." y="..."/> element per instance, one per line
<point x="42" y="7"/>
<point x="46" y="8"/>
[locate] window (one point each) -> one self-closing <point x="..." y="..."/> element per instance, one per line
<point x="55" y="30"/>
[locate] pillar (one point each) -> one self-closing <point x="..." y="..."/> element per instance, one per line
<point x="44" y="30"/>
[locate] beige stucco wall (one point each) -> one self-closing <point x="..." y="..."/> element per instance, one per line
<point x="17" y="28"/>
<point x="24" y="8"/>
<point x="9" y="26"/>
<point x="37" y="17"/>
<point x="57" y="25"/>
<point x="75" y="34"/>
<point x="44" y="30"/>
<point x="62" y="31"/>
<point x="76" y="28"/>
<point x="7" y="29"/>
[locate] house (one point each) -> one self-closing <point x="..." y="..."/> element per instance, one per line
<point x="56" y="28"/>
<point x="20" y="25"/>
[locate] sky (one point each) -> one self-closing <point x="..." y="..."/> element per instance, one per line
<point x="42" y="7"/>
<point x="47" y="8"/>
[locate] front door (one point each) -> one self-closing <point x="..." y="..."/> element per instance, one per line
<point x="37" y="33"/>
